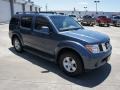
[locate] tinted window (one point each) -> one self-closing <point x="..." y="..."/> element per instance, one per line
<point x="14" y="21"/>
<point x="41" y="22"/>
<point x="72" y="15"/>
<point x="26" y="21"/>
<point x="117" y="17"/>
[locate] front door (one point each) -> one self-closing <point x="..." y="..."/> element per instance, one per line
<point x="43" y="36"/>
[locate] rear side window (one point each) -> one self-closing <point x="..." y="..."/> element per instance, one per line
<point x="26" y="22"/>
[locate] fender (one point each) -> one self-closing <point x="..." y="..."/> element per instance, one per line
<point x="18" y="35"/>
<point x="79" y="48"/>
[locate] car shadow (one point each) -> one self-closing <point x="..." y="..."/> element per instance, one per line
<point x="104" y="26"/>
<point x="89" y="79"/>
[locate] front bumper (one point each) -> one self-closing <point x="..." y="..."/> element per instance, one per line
<point x="94" y="61"/>
<point x="104" y="23"/>
<point x="89" y="23"/>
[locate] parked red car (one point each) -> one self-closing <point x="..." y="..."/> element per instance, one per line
<point x="103" y="20"/>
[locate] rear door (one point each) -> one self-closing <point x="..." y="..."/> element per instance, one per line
<point x="26" y="29"/>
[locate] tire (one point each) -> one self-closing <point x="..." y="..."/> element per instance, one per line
<point x="92" y="25"/>
<point x="108" y="25"/>
<point x="115" y="25"/>
<point x="17" y="45"/>
<point x="71" y="64"/>
<point x="82" y="23"/>
<point x="99" y="24"/>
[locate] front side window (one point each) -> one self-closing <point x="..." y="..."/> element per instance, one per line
<point x="26" y="22"/>
<point x="41" y="22"/>
<point x="117" y="17"/>
<point x="65" y="23"/>
<point x="41" y="25"/>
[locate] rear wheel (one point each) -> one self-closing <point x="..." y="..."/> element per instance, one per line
<point x="71" y="64"/>
<point x="17" y="44"/>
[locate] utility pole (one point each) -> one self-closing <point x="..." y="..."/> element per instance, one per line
<point x="12" y="7"/>
<point x="74" y="10"/>
<point x="85" y="10"/>
<point x="46" y="7"/>
<point x="40" y="9"/>
<point x="96" y="2"/>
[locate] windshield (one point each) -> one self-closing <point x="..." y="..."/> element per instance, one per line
<point x="87" y="17"/>
<point x="102" y="17"/>
<point x="117" y="17"/>
<point x="65" y="23"/>
<point x="72" y="15"/>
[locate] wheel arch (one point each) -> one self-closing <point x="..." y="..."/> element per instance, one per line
<point x="68" y="49"/>
<point x="18" y="36"/>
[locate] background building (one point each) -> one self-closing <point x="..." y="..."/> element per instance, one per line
<point x="10" y="7"/>
<point x="92" y="13"/>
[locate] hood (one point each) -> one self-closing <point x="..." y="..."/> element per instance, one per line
<point x="88" y="36"/>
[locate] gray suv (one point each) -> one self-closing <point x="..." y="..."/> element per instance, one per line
<point x="88" y="20"/>
<point x="60" y="39"/>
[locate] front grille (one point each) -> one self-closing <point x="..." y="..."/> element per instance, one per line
<point x="104" y="46"/>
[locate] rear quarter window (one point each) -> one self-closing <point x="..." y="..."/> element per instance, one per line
<point x="14" y="23"/>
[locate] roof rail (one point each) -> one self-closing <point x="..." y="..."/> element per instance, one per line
<point x="49" y="12"/>
<point x="36" y="12"/>
<point x="25" y="12"/>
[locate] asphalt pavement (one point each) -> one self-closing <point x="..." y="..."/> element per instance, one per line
<point x="29" y="72"/>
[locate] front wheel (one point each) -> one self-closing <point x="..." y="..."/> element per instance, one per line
<point x="17" y="45"/>
<point x="91" y="24"/>
<point x="71" y="64"/>
<point x="108" y="25"/>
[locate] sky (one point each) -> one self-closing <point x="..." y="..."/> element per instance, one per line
<point x="104" y="5"/>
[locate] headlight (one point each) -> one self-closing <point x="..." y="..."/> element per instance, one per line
<point x="93" y="48"/>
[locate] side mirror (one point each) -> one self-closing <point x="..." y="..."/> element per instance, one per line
<point x="46" y="29"/>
